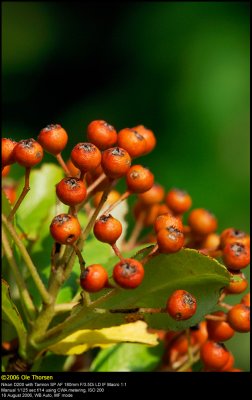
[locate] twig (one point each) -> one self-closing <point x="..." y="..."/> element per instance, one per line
<point x="24" y="192"/>
<point x="62" y="164"/>
<point x="123" y="197"/>
<point x="28" y="306"/>
<point x="28" y="261"/>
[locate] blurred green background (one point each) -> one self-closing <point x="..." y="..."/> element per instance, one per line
<point x="181" y="69"/>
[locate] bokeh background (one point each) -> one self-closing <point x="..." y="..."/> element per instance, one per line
<point x="181" y="69"/>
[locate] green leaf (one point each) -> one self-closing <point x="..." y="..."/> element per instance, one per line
<point x="34" y="209"/>
<point x="11" y="314"/>
<point x="200" y="275"/>
<point x="128" y="357"/>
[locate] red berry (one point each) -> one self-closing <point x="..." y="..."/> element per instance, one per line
<point x="8" y="146"/>
<point x="53" y="138"/>
<point x="101" y="134"/>
<point x="178" y="201"/>
<point x="128" y="273"/>
<point x="181" y="305"/>
<point x="214" y="355"/>
<point x="116" y="162"/>
<point x="236" y="255"/>
<point x="153" y="195"/>
<point x="148" y="136"/>
<point x="167" y="220"/>
<point x="65" y="229"/>
<point x="219" y="331"/>
<point x="86" y="156"/>
<point x="132" y="141"/>
<point x="71" y="191"/>
<point x="139" y="179"/>
<point x="202" y="222"/>
<point x="107" y="229"/>
<point x="239" y="318"/>
<point x="94" y="278"/>
<point x="170" y="240"/>
<point x="28" y="153"/>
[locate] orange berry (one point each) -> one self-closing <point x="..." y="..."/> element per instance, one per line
<point x="53" y="138"/>
<point x="153" y="195"/>
<point x="202" y="222"/>
<point x="167" y="220"/>
<point x="132" y="141"/>
<point x="181" y="305"/>
<point x="116" y="162"/>
<point x="246" y="300"/>
<point x="71" y="191"/>
<point x="107" y="229"/>
<point x="229" y="364"/>
<point x="236" y="286"/>
<point x="72" y="168"/>
<point x="10" y="193"/>
<point x="211" y="241"/>
<point x="148" y="136"/>
<point x="128" y="273"/>
<point x="65" y="229"/>
<point x="102" y="134"/>
<point x="139" y="179"/>
<point x="94" y="278"/>
<point x="8" y="146"/>
<point x="113" y="196"/>
<point x="219" y="331"/>
<point x="199" y="333"/>
<point x="163" y="209"/>
<point x="178" y="201"/>
<point x="239" y="318"/>
<point x="28" y="153"/>
<point x="6" y="170"/>
<point x="231" y="235"/>
<point x="86" y="156"/>
<point x="214" y="355"/>
<point x="236" y="255"/>
<point x="170" y="240"/>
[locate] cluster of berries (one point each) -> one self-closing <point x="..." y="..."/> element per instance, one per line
<point x="92" y="170"/>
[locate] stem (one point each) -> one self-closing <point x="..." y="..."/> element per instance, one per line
<point x="184" y="363"/>
<point x="24" y="192"/>
<point x="136" y="232"/>
<point x="152" y="310"/>
<point x="154" y="252"/>
<point x="79" y="255"/>
<point x="28" y="306"/>
<point x="95" y="183"/>
<point x="82" y="175"/>
<point x="28" y="261"/>
<point x="64" y="307"/>
<point x="62" y="164"/>
<point x="225" y="305"/>
<point x="92" y="220"/>
<point x="215" y="317"/>
<point x="123" y="197"/>
<point x="117" y="252"/>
